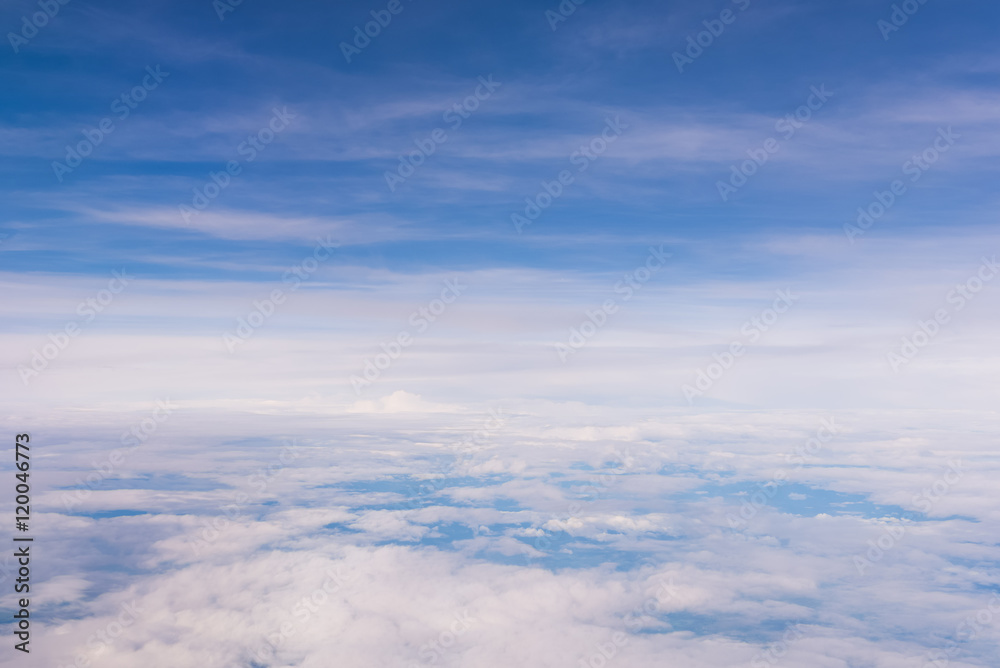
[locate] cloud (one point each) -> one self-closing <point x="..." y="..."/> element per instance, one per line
<point x="401" y="401"/>
<point x="342" y="566"/>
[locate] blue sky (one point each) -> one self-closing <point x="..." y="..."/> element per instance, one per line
<point x="354" y="119"/>
<point x="639" y="327"/>
<point x="323" y="175"/>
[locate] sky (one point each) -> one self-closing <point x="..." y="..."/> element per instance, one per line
<point x="559" y="334"/>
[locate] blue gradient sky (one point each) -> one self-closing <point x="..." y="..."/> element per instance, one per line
<point x="355" y="119"/>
